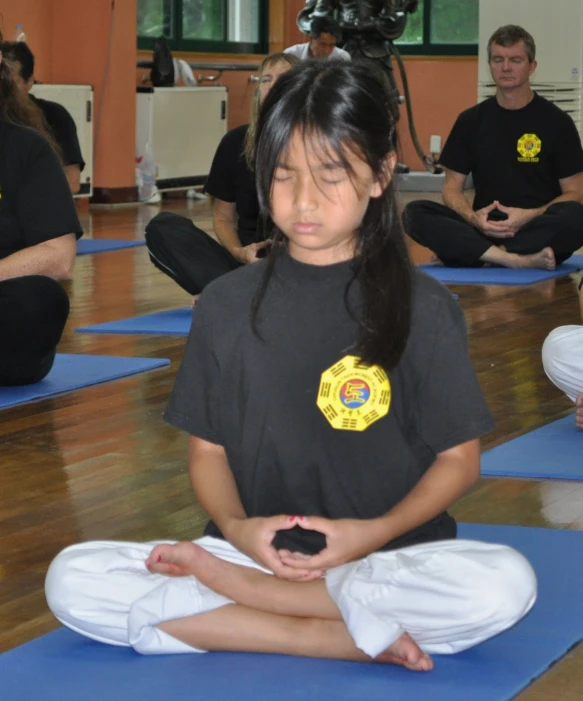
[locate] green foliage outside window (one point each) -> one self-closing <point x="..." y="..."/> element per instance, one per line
<point x="202" y="19"/>
<point x="442" y="27"/>
<point x="154" y="18"/>
<point x="232" y="26"/>
<point x="240" y="26"/>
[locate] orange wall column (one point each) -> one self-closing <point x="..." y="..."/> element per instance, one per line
<point x="36" y="17"/>
<point x="94" y="43"/>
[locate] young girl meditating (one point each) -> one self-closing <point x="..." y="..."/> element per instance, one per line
<point x="333" y="415"/>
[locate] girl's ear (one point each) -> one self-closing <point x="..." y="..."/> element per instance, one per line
<point x="381" y="184"/>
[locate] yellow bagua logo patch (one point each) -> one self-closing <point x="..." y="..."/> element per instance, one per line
<point x="352" y="396"/>
<point x="529" y="146"/>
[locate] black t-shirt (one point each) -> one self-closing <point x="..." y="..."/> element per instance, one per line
<point x="36" y="204"/>
<point x="281" y="403"/>
<point x="63" y="129"/>
<point x="515" y="156"/>
<point x="231" y="180"/>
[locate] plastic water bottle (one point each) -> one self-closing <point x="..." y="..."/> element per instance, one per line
<point x="20" y="35"/>
<point x="147" y="190"/>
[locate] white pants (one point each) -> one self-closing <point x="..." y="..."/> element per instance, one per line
<point x="563" y="359"/>
<point x="448" y="595"/>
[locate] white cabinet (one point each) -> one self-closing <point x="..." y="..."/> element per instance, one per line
<point x="78" y="100"/>
<point x="183" y="127"/>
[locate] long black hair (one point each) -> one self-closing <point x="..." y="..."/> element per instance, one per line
<point x="346" y="106"/>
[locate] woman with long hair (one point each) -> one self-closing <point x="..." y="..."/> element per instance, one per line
<point x="186" y="253"/>
<point x="334" y="416"/>
<point x="38" y="231"/>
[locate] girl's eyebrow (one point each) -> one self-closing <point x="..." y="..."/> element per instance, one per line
<point x="328" y="165"/>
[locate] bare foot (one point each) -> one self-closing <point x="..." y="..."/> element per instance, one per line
<point x="180" y="560"/>
<point x="405" y="652"/>
<point x="434" y="260"/>
<point x="236" y="582"/>
<point x="195" y="300"/>
<point x="544" y="259"/>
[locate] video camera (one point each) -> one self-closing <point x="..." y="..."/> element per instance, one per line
<point x="369" y="28"/>
<point x="387" y="18"/>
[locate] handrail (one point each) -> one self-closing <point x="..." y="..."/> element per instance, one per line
<point x="201" y="66"/>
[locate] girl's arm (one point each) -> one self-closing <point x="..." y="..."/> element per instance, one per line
<point x="451" y="475"/>
<point x="213" y="483"/>
<point x="215" y="488"/>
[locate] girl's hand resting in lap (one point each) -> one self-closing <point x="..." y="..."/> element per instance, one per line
<point x="347" y="540"/>
<point x="254" y="537"/>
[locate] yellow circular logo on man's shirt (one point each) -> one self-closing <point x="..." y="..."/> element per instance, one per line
<point x="529" y="146"/>
<point x="352" y="396"/>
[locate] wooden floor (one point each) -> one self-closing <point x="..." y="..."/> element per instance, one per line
<point x="101" y="464"/>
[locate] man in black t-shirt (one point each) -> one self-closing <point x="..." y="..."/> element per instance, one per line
<point x="526" y="160"/>
<point x="59" y="121"/>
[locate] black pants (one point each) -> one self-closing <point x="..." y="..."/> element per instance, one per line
<point x="185" y="253"/>
<point x="458" y="244"/>
<point x="33" y="313"/>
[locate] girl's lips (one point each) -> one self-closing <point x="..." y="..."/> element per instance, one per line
<point x="305" y="227"/>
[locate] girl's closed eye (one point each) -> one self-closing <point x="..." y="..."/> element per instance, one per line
<point x="331" y="174"/>
<point x="281" y="175"/>
<point x="332" y="179"/>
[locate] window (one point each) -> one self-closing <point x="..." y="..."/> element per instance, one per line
<point x="229" y="26"/>
<point x="442" y="27"/>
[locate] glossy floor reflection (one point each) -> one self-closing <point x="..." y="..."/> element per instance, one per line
<point x="101" y="463"/>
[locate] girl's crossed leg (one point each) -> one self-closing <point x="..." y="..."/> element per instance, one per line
<point x="394" y="607"/>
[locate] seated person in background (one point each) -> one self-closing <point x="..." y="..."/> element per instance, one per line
<point x="38" y="229"/>
<point x="563" y="361"/>
<point x="526" y="159"/>
<point x="186" y="253"/>
<point x="322" y="45"/>
<point x="59" y="121"/>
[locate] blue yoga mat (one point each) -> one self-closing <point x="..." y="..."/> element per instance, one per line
<point x="501" y="276"/>
<point x="554" y="451"/>
<point x="85" y="246"/>
<point x="72" y="371"/>
<point x="172" y="323"/>
<point x="64" y="666"/>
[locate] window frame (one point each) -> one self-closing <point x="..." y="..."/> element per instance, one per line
<point x="427" y="48"/>
<point x="178" y="43"/>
